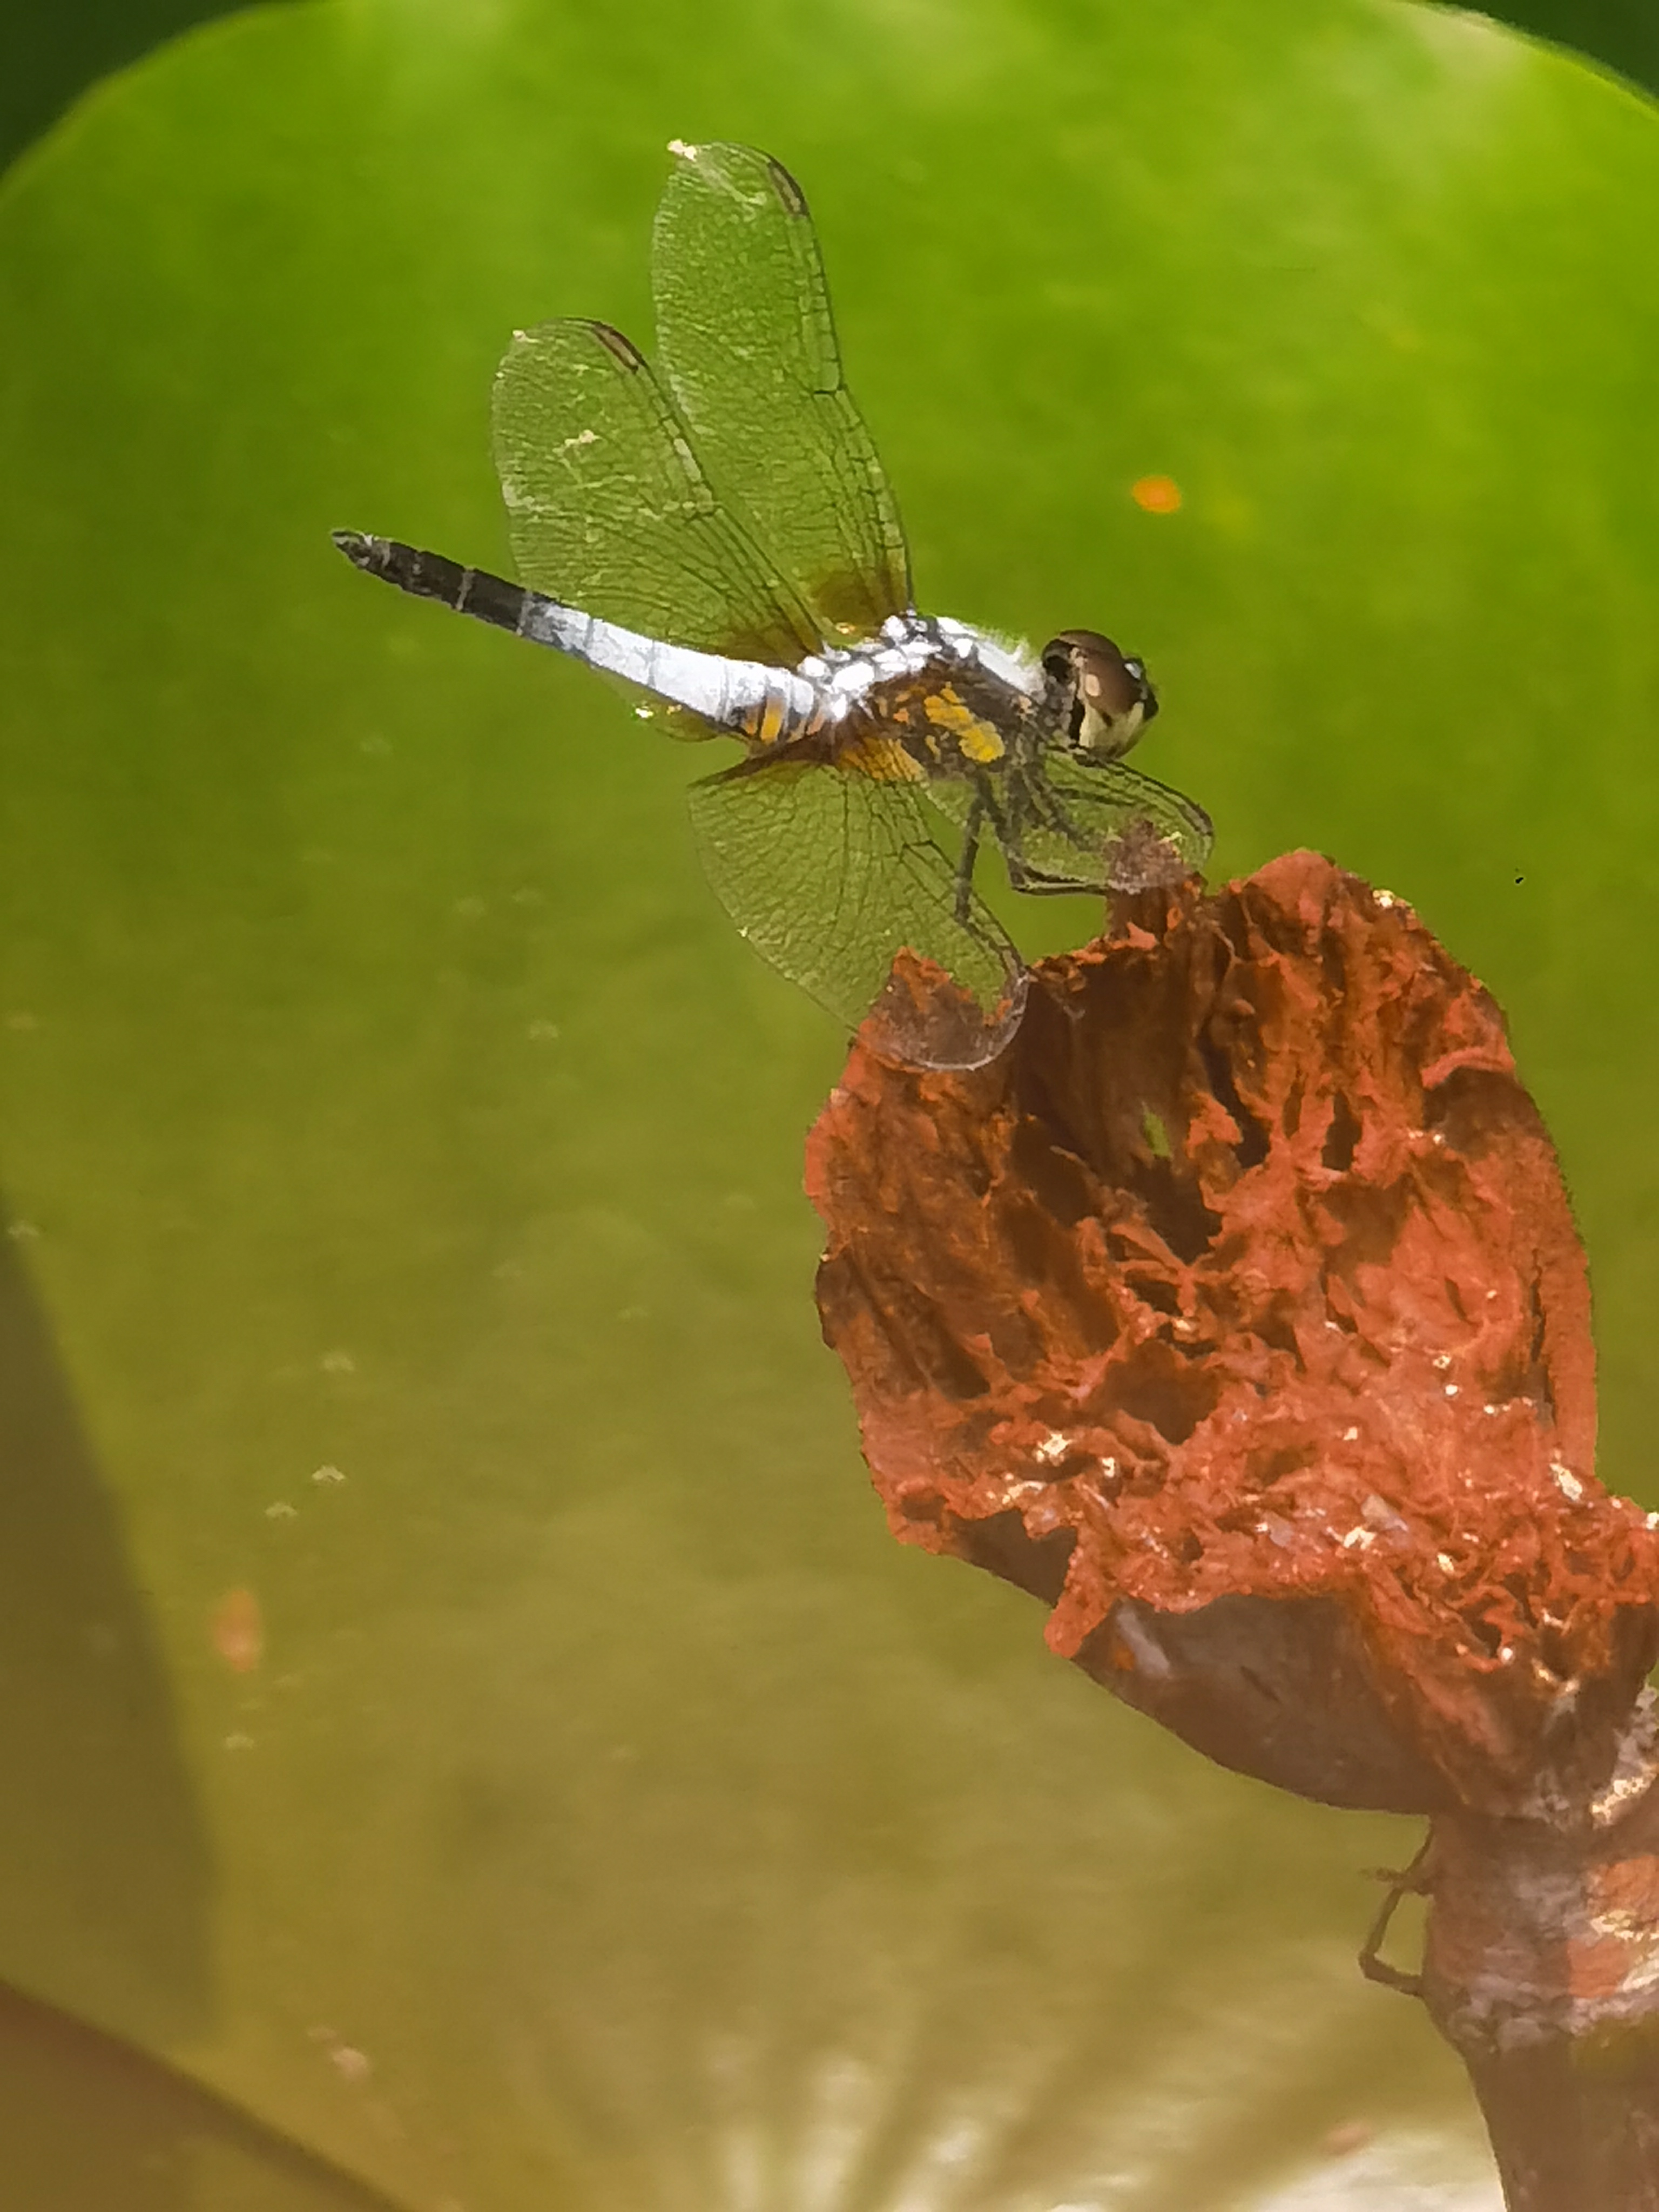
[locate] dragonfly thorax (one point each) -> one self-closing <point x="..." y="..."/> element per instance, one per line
<point x="955" y="695"/>
<point x="925" y="698"/>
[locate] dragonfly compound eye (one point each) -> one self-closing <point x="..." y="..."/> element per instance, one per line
<point x="1111" y="699"/>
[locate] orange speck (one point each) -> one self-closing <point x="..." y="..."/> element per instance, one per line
<point x="1155" y="495"/>
<point x="1346" y="2137"/>
<point x="237" y="1627"/>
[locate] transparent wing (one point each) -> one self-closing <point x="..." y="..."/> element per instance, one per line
<point x="748" y="346"/>
<point x="1074" y="825"/>
<point x="609" y="511"/>
<point x="831" y="875"/>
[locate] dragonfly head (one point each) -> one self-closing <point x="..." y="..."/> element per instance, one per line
<point x="1099" y="700"/>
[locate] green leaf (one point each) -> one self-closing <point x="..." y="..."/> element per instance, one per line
<point x="612" y="1809"/>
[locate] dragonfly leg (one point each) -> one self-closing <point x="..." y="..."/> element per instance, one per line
<point x="969" y="854"/>
<point x="1031" y="806"/>
<point x="1037" y="808"/>
<point x="982" y="810"/>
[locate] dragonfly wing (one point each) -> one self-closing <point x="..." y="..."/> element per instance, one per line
<point x="830" y="874"/>
<point x="1074" y="825"/>
<point x="748" y="345"/>
<point x="609" y="510"/>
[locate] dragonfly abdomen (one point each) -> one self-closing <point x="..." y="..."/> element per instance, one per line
<point x="435" y="576"/>
<point x="766" y="706"/>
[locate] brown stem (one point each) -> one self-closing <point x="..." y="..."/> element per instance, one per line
<point x="1541" y="1968"/>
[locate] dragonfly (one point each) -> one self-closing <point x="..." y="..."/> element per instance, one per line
<point x="719" y="535"/>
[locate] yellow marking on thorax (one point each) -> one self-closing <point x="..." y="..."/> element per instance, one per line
<point x="975" y="739"/>
<point x="765" y="730"/>
<point x="882" y="759"/>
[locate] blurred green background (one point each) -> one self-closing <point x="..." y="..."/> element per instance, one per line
<point x="48" y="57"/>
<point x="471" y="1742"/>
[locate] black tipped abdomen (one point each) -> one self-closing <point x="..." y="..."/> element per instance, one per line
<point x="435" y="576"/>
